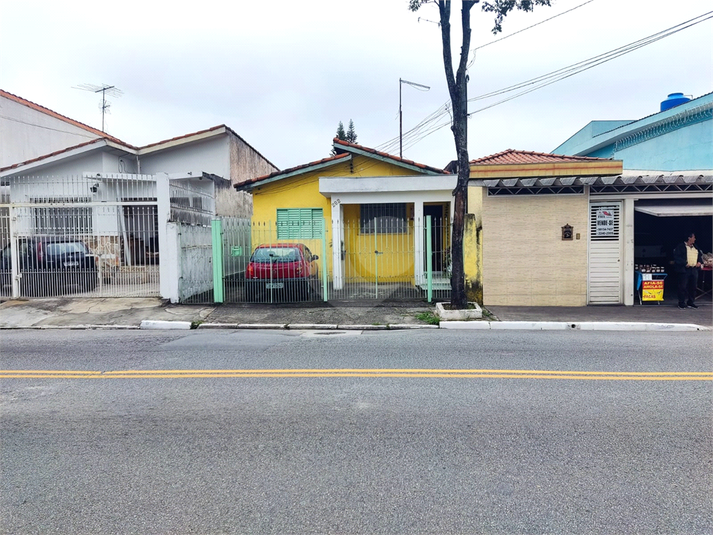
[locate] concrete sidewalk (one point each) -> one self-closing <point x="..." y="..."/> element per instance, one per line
<point x="127" y="313"/>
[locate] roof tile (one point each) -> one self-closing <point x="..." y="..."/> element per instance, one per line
<point x="512" y="156"/>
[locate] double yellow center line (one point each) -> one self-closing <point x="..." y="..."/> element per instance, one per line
<point x="359" y="372"/>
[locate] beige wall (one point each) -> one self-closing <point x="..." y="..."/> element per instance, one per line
<point x="525" y="261"/>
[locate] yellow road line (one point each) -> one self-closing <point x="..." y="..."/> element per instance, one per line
<point x="358" y="372"/>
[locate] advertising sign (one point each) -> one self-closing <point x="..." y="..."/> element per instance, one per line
<point x="604" y="222"/>
<point x="652" y="290"/>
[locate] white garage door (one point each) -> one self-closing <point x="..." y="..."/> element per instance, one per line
<point x="605" y="253"/>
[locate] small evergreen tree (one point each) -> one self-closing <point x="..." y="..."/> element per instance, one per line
<point x="349" y="136"/>
<point x="351" y="133"/>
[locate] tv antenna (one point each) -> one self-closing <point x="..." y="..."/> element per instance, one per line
<point x="104" y="89"/>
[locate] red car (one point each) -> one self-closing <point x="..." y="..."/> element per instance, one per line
<point x="281" y="271"/>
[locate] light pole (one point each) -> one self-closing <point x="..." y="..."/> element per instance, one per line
<point x="401" y="115"/>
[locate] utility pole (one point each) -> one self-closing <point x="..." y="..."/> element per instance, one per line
<point x="401" y="116"/>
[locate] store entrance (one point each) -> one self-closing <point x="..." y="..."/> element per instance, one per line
<point x="658" y="227"/>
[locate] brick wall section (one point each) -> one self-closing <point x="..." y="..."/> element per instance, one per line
<point x="525" y="261"/>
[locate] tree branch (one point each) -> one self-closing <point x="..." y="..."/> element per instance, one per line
<point x="444" y="9"/>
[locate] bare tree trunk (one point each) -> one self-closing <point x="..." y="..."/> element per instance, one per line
<point x="458" y="89"/>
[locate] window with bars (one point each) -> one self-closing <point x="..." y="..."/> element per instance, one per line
<point x="299" y="223"/>
<point x="389" y="218"/>
<point x="64" y="219"/>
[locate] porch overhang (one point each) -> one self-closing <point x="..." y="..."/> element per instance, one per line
<point x="438" y="187"/>
<point x="627" y="178"/>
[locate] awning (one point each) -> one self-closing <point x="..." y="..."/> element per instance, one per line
<point x="673" y="209"/>
<point x="684" y="179"/>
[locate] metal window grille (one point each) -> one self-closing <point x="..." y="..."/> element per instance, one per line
<point x="57" y="220"/>
<point x="384" y="218"/>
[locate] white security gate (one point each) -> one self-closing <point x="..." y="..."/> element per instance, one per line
<point x="79" y="236"/>
<point x="605" y="254"/>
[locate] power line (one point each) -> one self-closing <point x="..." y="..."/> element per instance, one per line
<point x="435" y="121"/>
<point x="470" y="63"/>
<point x="389" y="145"/>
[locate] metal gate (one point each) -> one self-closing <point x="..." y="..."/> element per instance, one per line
<point x="605" y="253"/>
<point x="293" y="261"/>
<point x="78" y="236"/>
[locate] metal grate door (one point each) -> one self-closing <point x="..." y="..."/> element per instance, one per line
<point x="605" y="253"/>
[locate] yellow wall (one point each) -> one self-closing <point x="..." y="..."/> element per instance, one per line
<point x="525" y="260"/>
<point x="302" y="191"/>
<point x="395" y="263"/>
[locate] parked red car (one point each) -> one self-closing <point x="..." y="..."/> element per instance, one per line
<point x="281" y="271"/>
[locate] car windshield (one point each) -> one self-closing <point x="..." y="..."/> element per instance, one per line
<point x="277" y="254"/>
<point x="57" y="249"/>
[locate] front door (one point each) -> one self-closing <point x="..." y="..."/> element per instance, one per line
<point x="436" y="213"/>
<point x="605" y="253"/>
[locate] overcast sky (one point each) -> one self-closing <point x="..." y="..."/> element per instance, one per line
<point x="282" y="73"/>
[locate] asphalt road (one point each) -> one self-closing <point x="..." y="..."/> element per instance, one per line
<point x="538" y="432"/>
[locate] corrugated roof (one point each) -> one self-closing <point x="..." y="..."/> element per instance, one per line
<point x="61" y="117"/>
<point x="627" y="178"/>
<point x="512" y="156"/>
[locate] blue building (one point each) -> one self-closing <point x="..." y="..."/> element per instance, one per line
<point x="678" y="138"/>
<point x="664" y="192"/>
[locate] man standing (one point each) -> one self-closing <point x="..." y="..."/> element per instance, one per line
<point x="687" y="260"/>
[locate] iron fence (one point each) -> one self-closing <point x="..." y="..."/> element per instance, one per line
<point x="91" y="236"/>
<point x="274" y="263"/>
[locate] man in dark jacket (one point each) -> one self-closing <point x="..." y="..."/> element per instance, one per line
<point x="687" y="260"/>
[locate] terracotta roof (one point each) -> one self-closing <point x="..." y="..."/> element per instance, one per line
<point x="58" y="152"/>
<point x="338" y="142"/>
<point x="344" y="149"/>
<point x="304" y="168"/>
<point x="61" y="117"/>
<point x="511" y="156"/>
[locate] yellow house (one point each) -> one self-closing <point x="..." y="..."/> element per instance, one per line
<point x="365" y="209"/>
<point x="536" y="238"/>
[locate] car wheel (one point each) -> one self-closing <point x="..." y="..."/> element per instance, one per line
<point x="306" y="290"/>
<point x="90" y="281"/>
<point x="252" y="292"/>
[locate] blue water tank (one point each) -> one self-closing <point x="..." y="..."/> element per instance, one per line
<point x="674" y="99"/>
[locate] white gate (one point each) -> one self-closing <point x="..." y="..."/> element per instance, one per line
<point x="79" y="236"/>
<point x="605" y="254"/>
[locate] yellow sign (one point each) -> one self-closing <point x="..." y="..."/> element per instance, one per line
<point x="652" y="290"/>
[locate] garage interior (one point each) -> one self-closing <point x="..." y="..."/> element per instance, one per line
<point x="659" y="225"/>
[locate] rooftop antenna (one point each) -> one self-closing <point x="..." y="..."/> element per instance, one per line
<point x="104" y="89"/>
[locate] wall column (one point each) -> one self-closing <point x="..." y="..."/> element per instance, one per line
<point x="337" y="238"/>
<point x="628" y="274"/>
<point x="419" y="227"/>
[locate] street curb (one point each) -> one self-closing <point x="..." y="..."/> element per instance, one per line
<point x="165" y="325"/>
<point x="82" y="327"/>
<point x="453" y="325"/>
<point x="315" y="326"/>
<point x="570" y="326"/>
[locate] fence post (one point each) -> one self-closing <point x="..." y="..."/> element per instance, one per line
<point x="14" y="254"/>
<point x="325" y="270"/>
<point x="429" y="259"/>
<point x="168" y="245"/>
<point x="217" y="247"/>
<point x="376" y="258"/>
